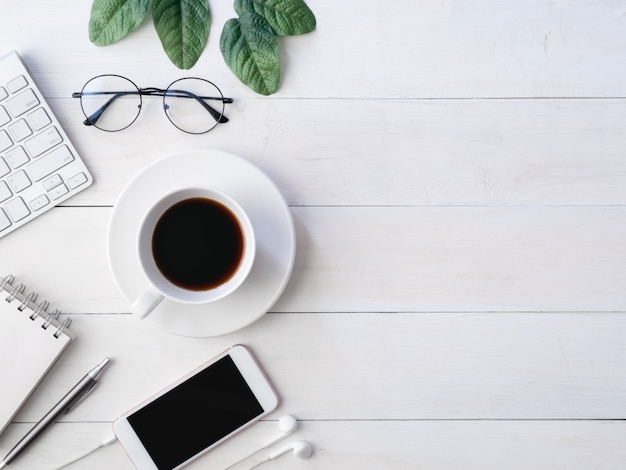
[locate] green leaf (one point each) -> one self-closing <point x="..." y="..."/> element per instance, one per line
<point x="286" y="17"/>
<point x="183" y="28"/>
<point x="111" y="20"/>
<point x="250" y="50"/>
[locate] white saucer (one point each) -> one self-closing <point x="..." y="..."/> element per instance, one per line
<point x="267" y="210"/>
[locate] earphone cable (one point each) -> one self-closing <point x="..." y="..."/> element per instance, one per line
<point x="243" y="459"/>
<point x="258" y="464"/>
<point x="109" y="440"/>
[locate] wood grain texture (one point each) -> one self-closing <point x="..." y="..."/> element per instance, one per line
<point x="451" y="48"/>
<point x="411" y="259"/>
<point x="373" y="366"/>
<point x="404" y="445"/>
<point x="389" y="152"/>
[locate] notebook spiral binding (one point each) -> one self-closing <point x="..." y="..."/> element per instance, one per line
<point x="37" y="309"/>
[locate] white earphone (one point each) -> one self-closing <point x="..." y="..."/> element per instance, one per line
<point x="287" y="425"/>
<point x="301" y="449"/>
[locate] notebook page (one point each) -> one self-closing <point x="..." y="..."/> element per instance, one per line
<point x="27" y="352"/>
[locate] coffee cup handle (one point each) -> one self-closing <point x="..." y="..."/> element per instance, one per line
<point x="146" y="303"/>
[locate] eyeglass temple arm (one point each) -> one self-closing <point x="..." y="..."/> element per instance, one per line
<point x="93" y="119"/>
<point x="219" y="117"/>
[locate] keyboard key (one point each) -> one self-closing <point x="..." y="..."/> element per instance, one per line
<point x="39" y="119"/>
<point x="21" y="103"/>
<point x="3" y="93"/>
<point x="4" y="220"/>
<point x="18" y="181"/>
<point x="42" y="142"/>
<point x="76" y="180"/>
<point x="16" y="157"/>
<point x="52" y="182"/>
<point x="4" y="116"/>
<point x="59" y="191"/>
<point x="5" y="192"/>
<point x="47" y="164"/>
<point x="4" y="168"/>
<point x="39" y="202"/>
<point x="5" y="141"/>
<point x="20" y="130"/>
<point x="17" y="84"/>
<point x="16" y="209"/>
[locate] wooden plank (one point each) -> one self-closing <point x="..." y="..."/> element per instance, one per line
<point x="425" y="259"/>
<point x="412" y="49"/>
<point x="357" y="445"/>
<point x="389" y="152"/>
<point x="458" y="259"/>
<point x="372" y="366"/>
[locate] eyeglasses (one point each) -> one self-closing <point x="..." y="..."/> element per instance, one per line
<point x="112" y="103"/>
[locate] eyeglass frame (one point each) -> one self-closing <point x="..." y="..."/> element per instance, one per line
<point x="91" y="120"/>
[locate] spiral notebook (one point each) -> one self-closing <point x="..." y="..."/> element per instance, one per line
<point x="31" y="340"/>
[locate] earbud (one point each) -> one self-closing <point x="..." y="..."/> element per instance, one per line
<point x="287" y="425"/>
<point x="301" y="449"/>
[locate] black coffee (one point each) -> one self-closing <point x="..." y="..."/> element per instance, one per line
<point x="197" y="244"/>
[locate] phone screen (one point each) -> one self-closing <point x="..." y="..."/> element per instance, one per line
<point x="196" y="414"/>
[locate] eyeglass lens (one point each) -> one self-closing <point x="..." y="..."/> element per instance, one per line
<point x="194" y="105"/>
<point x="112" y="103"/>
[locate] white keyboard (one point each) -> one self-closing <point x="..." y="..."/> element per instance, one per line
<point x="39" y="166"/>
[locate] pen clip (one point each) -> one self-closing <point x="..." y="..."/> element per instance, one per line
<point x="80" y="398"/>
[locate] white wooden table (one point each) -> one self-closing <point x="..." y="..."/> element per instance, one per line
<point x="456" y="172"/>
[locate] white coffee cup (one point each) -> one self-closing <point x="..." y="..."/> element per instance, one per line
<point x="170" y="248"/>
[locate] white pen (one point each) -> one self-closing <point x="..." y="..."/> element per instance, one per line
<point x="71" y="399"/>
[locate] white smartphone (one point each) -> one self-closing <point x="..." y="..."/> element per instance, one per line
<point x="197" y="412"/>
